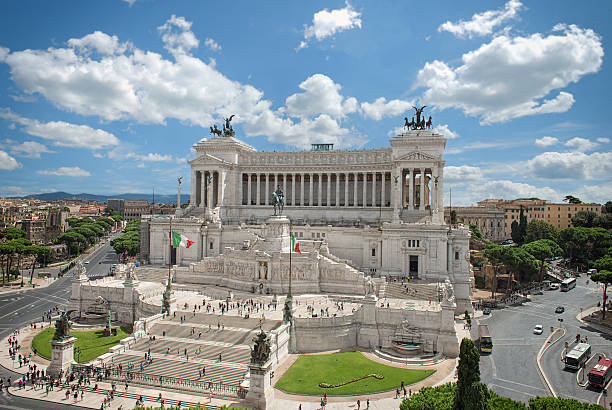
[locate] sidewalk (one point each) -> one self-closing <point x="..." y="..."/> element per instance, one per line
<point x="15" y="286"/>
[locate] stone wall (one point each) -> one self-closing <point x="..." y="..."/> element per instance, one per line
<point x="375" y="327"/>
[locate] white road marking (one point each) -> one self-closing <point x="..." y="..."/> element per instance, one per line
<point x="523" y="385"/>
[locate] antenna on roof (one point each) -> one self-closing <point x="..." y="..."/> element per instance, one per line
<point x="153" y="196"/>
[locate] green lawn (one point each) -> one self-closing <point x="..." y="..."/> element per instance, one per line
<point x="310" y="370"/>
<point x="92" y="343"/>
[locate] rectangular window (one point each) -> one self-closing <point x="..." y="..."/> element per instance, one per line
<point x="211" y="245"/>
<point x="373" y="251"/>
<point x="457" y="256"/>
<point x="418" y="243"/>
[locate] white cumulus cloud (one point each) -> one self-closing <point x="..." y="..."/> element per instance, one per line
<point x="539" y="65"/>
<point x="483" y="24"/>
<point x="571" y="165"/>
<point x="463" y="173"/>
<point x="326" y="23"/>
<point x="381" y="108"/>
<point x="150" y="157"/>
<point x="30" y="149"/>
<point x="321" y="96"/>
<point x="63" y="133"/>
<point x="445" y="131"/>
<point x="546" y="141"/>
<point x="603" y="140"/>
<point x="65" y="172"/>
<point x="212" y="44"/>
<point x="177" y="36"/>
<point x="581" y="144"/>
<point x="99" y="42"/>
<point x="8" y="163"/>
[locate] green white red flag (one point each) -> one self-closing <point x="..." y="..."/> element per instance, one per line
<point x="295" y="245"/>
<point x="180" y="240"/>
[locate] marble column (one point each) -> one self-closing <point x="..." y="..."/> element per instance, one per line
<point x="302" y="190"/>
<point x="258" y="191"/>
<point x="310" y="189"/>
<point x="249" y="189"/>
<point x="285" y="186"/>
<point x="374" y="195"/>
<point x="209" y="190"/>
<point x="221" y="186"/>
<point x="292" y="189"/>
<point x="355" y="188"/>
<point x="337" y="189"/>
<point x="364" y="193"/>
<point x="411" y="190"/>
<point x="422" y="190"/>
<point x="328" y="199"/>
<point x="346" y="189"/>
<point x="194" y="186"/>
<point x="383" y="194"/>
<point x="320" y="189"/>
<point x="267" y="190"/>
<point x="204" y="181"/>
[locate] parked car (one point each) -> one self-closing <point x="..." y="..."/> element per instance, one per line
<point x="554" y="286"/>
<point x="486" y="311"/>
<point x="591" y="271"/>
<point x="538" y="329"/>
<point x="559" y="309"/>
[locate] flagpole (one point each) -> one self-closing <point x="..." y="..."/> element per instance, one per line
<point x="290" y="252"/>
<point x="170" y="256"/>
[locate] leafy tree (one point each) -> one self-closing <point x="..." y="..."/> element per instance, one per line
<point x="584" y="218"/>
<point x="515" y="233"/>
<point x="21" y="248"/>
<point x="604" y="275"/>
<point x="538" y="229"/>
<point x="541" y="250"/>
<point x="469" y="393"/>
<point x="108" y="211"/>
<point x="607" y="208"/>
<point x="65" y="209"/>
<point x="11" y="233"/>
<point x="571" y="199"/>
<point x="431" y="398"/>
<point x="603" y="221"/>
<point x="453" y="217"/>
<point x="554" y="403"/>
<point x="475" y="231"/>
<point x="6" y="250"/>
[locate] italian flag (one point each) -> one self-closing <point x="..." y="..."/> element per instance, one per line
<point x="180" y="240"/>
<point x="295" y="246"/>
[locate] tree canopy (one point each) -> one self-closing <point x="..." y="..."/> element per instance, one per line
<point x="10" y="233"/>
<point x="538" y="229"/>
<point x="571" y="199"/>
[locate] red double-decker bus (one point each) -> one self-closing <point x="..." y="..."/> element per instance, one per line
<point x="600" y="375"/>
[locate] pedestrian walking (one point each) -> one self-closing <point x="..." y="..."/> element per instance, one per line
<point x="358" y="404"/>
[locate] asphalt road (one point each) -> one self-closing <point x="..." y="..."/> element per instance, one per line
<point x="511" y="370"/>
<point x="18" y="309"/>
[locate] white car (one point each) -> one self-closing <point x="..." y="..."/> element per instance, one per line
<point x="538" y="329"/>
<point x="86" y="262"/>
<point x="553" y="286"/>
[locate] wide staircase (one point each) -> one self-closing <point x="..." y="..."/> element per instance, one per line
<point x="203" y="353"/>
<point x="411" y="290"/>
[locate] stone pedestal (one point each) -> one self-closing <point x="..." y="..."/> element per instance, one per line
<point x="62" y="355"/>
<point x="368" y="336"/>
<point x="260" y="392"/>
<point x="276" y="234"/>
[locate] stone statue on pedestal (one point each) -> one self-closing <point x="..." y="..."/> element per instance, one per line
<point x="261" y="351"/>
<point x="278" y="200"/>
<point x="62" y="327"/>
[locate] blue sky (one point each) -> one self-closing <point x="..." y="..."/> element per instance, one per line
<point x="108" y="97"/>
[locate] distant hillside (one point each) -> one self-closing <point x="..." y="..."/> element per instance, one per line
<point x="56" y="196"/>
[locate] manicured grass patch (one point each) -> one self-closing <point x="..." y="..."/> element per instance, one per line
<point x="92" y="343"/>
<point x="310" y="370"/>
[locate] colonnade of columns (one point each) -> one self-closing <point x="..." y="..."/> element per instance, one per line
<point x="417" y="189"/>
<point x="331" y="189"/>
<point x="206" y="185"/>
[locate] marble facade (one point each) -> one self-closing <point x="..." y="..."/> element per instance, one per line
<point x="381" y="210"/>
